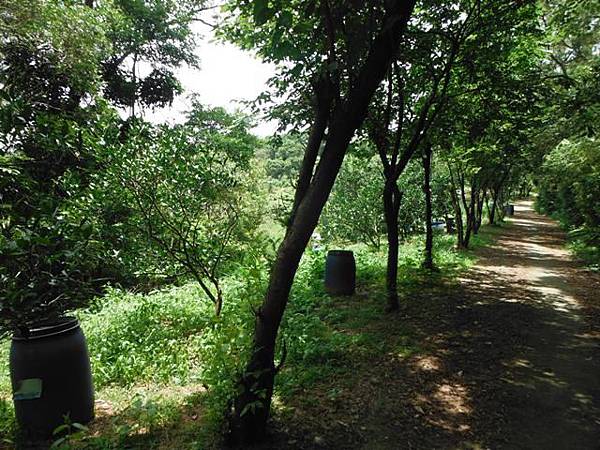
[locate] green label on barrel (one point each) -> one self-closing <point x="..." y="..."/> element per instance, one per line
<point x="29" y="389"/>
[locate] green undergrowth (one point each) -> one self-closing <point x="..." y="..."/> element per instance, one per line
<point x="164" y="366"/>
<point x="582" y="242"/>
<point x="150" y="338"/>
<point x="7" y="425"/>
<point x="588" y="253"/>
<point x="328" y="335"/>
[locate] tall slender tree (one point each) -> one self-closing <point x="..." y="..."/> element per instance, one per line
<point x="410" y="102"/>
<point x="344" y="64"/>
<point x="426" y="160"/>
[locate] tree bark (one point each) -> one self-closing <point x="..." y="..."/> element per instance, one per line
<point x="456" y="204"/>
<point x="481" y="195"/>
<point x="469" y="213"/>
<point x="460" y="227"/>
<point x="324" y="96"/>
<point x="496" y="192"/>
<point x="491" y="213"/>
<point x="394" y="162"/>
<point x="251" y="408"/>
<point x="428" y="262"/>
<point x="392" y="198"/>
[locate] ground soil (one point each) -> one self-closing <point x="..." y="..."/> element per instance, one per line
<point x="510" y="360"/>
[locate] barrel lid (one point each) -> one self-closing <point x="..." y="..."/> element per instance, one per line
<point x="46" y="329"/>
<point x="340" y="252"/>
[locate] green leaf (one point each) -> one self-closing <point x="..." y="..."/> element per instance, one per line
<point x="262" y="12"/>
<point x="58" y="442"/>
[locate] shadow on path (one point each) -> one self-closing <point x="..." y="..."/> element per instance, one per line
<point x="511" y="362"/>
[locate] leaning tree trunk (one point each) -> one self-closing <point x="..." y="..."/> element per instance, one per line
<point x="428" y="262"/>
<point x="252" y="405"/>
<point x="391" y="206"/>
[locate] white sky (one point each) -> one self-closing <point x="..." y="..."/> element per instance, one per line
<point x="226" y="76"/>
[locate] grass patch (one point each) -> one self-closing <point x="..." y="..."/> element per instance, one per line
<point x="582" y="242"/>
<point x="7" y="413"/>
<point x="328" y="335"/>
<point x="136" y="338"/>
<point x="589" y="254"/>
<point x="154" y="355"/>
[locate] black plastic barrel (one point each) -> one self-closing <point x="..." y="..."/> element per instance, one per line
<point x="51" y="377"/>
<point x="340" y="272"/>
<point x="509" y="210"/>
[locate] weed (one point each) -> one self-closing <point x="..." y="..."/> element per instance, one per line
<point x="164" y="362"/>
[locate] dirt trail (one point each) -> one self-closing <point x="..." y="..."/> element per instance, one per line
<point x="552" y="380"/>
<point x="512" y="363"/>
<point x="508" y="358"/>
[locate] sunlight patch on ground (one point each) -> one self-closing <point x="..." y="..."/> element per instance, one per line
<point x="454" y="397"/>
<point x="103" y="408"/>
<point x="509" y="300"/>
<point x="540" y="275"/>
<point x="529" y="223"/>
<point x="519" y="362"/>
<point x="138" y="410"/>
<point x="550" y="378"/>
<point x="554" y="289"/>
<point x="428" y="363"/>
<point x="534" y="375"/>
<point x="589" y="335"/>
<point x="584" y="398"/>
<point x="558" y="299"/>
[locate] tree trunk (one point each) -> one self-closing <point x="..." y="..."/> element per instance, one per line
<point x="251" y="407"/>
<point x="468" y="231"/>
<point x="428" y="262"/>
<point x="391" y="207"/>
<point x="470" y="213"/>
<point x="496" y="193"/>
<point x="460" y="228"/>
<point x="491" y="209"/>
<point x="457" y="210"/>
<point x="324" y="96"/>
<point x="467" y="238"/>
<point x="495" y="196"/>
<point x="479" y="211"/>
<point x="476" y="213"/>
<point x="464" y="236"/>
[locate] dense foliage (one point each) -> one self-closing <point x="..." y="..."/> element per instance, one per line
<point x="50" y="259"/>
<point x="174" y="243"/>
<point x="568" y="180"/>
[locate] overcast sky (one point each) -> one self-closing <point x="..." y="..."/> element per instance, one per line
<point x="226" y="76"/>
